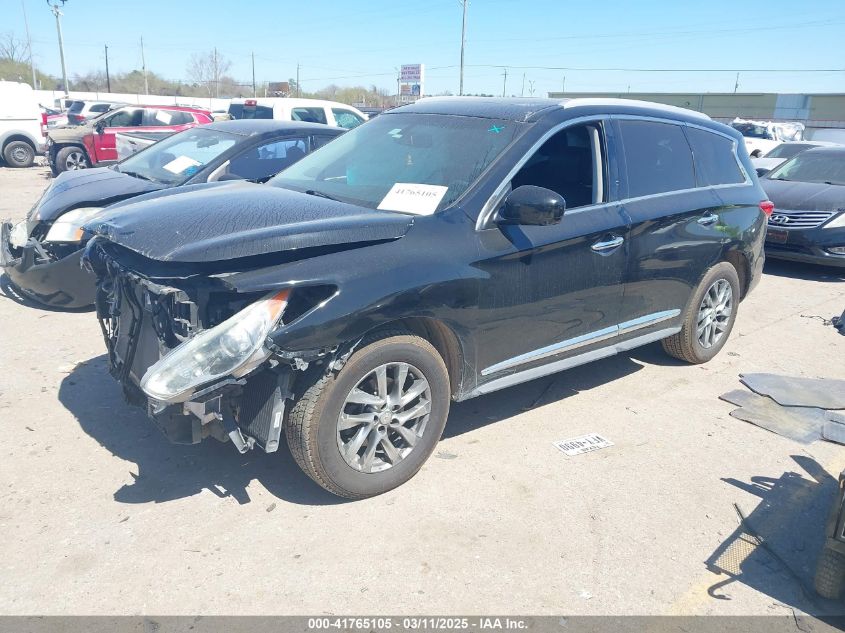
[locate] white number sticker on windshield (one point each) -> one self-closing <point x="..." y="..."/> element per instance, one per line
<point x="413" y="198"/>
<point x="178" y="165"/>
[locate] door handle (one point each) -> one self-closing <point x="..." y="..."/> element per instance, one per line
<point x="707" y="220"/>
<point x="606" y="245"/>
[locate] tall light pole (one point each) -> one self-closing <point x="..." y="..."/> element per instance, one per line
<point x="29" y="46"/>
<point x="463" y="44"/>
<point x="54" y="6"/>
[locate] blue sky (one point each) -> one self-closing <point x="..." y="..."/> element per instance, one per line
<point x="349" y="43"/>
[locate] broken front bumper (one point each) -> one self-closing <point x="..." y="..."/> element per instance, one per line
<point x="61" y="283"/>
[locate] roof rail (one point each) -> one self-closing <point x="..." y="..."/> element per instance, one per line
<point x="606" y="101"/>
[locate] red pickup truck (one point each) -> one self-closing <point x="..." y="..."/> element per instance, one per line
<point x="93" y="142"/>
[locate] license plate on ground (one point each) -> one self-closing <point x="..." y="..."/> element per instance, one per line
<point x="778" y="236"/>
<point x="583" y="444"/>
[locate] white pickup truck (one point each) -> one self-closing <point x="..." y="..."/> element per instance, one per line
<point x="763" y="136"/>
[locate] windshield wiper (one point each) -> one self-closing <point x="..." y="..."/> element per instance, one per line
<point x="320" y="194"/>
<point x="135" y="174"/>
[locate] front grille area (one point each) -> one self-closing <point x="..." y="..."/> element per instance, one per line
<point x="784" y="219"/>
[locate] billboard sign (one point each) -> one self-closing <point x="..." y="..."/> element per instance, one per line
<point x="411" y="73"/>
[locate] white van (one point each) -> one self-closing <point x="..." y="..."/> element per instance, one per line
<point x="22" y="127"/>
<point x="290" y="109"/>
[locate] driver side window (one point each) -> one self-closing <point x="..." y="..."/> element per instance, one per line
<point x="570" y="163"/>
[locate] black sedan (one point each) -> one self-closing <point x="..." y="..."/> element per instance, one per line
<point x="41" y="254"/>
<point x="808" y="223"/>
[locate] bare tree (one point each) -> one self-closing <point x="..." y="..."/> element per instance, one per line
<point x="13" y="48"/>
<point x="208" y="69"/>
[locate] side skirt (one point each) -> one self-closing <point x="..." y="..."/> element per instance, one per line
<point x="568" y="363"/>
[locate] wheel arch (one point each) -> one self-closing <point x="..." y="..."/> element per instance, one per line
<point x="442" y="337"/>
<point x="742" y="265"/>
<point x="17" y="137"/>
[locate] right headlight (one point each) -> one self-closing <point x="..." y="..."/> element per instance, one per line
<point x="231" y="348"/>
<point x="837" y="222"/>
<point x="68" y="228"/>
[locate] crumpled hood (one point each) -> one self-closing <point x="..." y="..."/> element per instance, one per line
<point x="239" y="220"/>
<point x="88" y="188"/>
<point x="804" y="196"/>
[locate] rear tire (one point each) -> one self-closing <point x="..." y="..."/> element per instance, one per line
<point x="343" y="430"/>
<point x="19" y="154"/>
<point x="71" y="158"/>
<point x="713" y="306"/>
<point x="830" y="574"/>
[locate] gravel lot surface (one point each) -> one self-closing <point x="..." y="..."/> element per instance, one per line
<point x="100" y="515"/>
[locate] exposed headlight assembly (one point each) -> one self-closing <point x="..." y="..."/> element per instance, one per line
<point x="837" y="222"/>
<point x="68" y="228"/>
<point x="233" y="348"/>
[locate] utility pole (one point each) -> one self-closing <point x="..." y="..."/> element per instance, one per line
<point x="298" y="93"/>
<point x="29" y="46"/>
<point x="398" y="89"/>
<point x="144" y="68"/>
<point x="108" y="79"/>
<point x="531" y="87"/>
<point x="216" y="68"/>
<point x="505" y="85"/>
<point x="57" y="12"/>
<point x="564" y="85"/>
<point x="463" y="45"/>
<point x="522" y="94"/>
<point x="253" y="74"/>
<point x="736" y="85"/>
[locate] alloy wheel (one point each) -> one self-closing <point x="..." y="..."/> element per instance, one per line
<point x="75" y="160"/>
<point x="383" y="417"/>
<point x="714" y="314"/>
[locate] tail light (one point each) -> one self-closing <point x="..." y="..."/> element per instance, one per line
<point x="43" y="124"/>
<point x="250" y="103"/>
<point x="767" y="206"/>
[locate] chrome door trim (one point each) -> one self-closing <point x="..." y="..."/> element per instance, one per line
<point x="580" y="341"/>
<point x="568" y="363"/>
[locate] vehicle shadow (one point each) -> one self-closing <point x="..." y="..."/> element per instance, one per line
<point x="805" y="272"/>
<point x="467" y="416"/>
<point x="11" y="292"/>
<point x="166" y="472"/>
<point x="774" y="549"/>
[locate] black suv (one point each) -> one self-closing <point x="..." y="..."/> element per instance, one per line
<point x="442" y="251"/>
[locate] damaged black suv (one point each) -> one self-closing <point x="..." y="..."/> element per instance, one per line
<point x="442" y="251"/>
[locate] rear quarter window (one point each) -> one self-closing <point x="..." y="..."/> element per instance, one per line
<point x="657" y="156"/>
<point x="309" y="115"/>
<point x="714" y="158"/>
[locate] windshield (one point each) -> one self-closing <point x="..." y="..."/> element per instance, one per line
<point x="752" y="131"/>
<point x="788" y="150"/>
<point x="176" y="158"/>
<point x="412" y="163"/>
<point x="823" y="167"/>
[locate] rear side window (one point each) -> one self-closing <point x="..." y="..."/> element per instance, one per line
<point x="76" y="107"/>
<point x="657" y="156"/>
<point x="241" y="111"/>
<point x="715" y="163"/>
<point x="309" y="115"/>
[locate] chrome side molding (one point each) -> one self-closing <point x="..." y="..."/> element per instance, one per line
<point x="580" y="341"/>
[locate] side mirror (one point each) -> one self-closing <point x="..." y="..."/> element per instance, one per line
<point x="100" y="127"/>
<point x="762" y="171"/>
<point x="530" y="205"/>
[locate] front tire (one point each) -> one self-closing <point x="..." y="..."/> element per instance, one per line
<point x="709" y="317"/>
<point x="71" y="158"/>
<point x="19" y="154"/>
<point x="370" y="427"/>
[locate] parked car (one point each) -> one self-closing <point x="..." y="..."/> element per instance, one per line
<point x="371" y="112"/>
<point x="290" y="109"/>
<point x="22" y="125"/>
<point x="782" y="153"/>
<point x="54" y="118"/>
<point x="808" y="224"/>
<point x="41" y="254"/>
<point x="80" y="111"/>
<point x="445" y="250"/>
<point x="763" y="136"/>
<point x="94" y="143"/>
